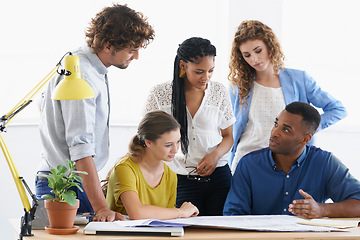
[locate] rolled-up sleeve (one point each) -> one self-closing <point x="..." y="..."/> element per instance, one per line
<point x="79" y="120"/>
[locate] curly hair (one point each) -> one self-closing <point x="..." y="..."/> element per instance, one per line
<point x="121" y="27"/>
<point x="241" y="74"/>
<point x="190" y="50"/>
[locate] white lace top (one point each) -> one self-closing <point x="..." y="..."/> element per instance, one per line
<point x="214" y="113"/>
<point x="266" y="104"/>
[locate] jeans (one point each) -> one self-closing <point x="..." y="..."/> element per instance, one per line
<point x="42" y="187"/>
<point x="209" y="197"/>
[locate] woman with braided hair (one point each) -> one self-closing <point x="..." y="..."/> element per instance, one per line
<point x="203" y="109"/>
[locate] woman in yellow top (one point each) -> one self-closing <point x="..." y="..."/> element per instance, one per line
<point x="141" y="185"/>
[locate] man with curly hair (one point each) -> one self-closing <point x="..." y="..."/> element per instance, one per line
<point x="79" y="129"/>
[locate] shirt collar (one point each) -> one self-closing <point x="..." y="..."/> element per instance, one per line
<point x="302" y="157"/>
<point x="94" y="59"/>
<point x="298" y="161"/>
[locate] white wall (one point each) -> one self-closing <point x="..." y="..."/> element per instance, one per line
<point x="320" y="37"/>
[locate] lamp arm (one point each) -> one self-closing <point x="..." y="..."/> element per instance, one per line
<point x="19" y="181"/>
<point x="15" y="174"/>
<point x="5" y="120"/>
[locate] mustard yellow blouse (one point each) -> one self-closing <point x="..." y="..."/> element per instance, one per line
<point x="127" y="176"/>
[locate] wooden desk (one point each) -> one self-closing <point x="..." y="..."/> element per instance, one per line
<point x="200" y="234"/>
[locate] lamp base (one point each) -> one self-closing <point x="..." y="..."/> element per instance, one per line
<point x="25" y="227"/>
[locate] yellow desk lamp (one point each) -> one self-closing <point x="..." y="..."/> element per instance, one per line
<point x="72" y="87"/>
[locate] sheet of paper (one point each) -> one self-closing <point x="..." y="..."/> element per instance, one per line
<point x="278" y="223"/>
<point x="331" y="223"/>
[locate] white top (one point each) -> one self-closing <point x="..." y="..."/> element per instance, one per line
<point x="214" y="113"/>
<point x="266" y="105"/>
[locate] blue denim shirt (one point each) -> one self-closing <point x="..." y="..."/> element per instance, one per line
<point x="258" y="187"/>
<point x="296" y="86"/>
<point x="74" y="129"/>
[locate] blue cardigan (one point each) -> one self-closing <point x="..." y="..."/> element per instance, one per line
<point x="296" y="86"/>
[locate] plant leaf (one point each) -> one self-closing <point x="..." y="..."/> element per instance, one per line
<point x="71" y="164"/>
<point x="61" y="184"/>
<point x="61" y="169"/>
<point x="51" y="182"/>
<point x="76" y="184"/>
<point x="80" y="172"/>
<point x="70" y="198"/>
<point x="47" y="196"/>
<point x="78" y="178"/>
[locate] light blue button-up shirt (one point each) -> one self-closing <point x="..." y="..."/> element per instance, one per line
<point x="74" y="129"/>
<point x="296" y="85"/>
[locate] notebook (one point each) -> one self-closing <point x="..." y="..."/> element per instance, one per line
<point x="112" y="228"/>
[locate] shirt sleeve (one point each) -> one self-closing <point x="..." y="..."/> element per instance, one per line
<point x="124" y="179"/>
<point x="152" y="102"/>
<point x="333" y="109"/>
<point x="341" y="185"/>
<point x="228" y="117"/>
<point x="79" y="123"/>
<point x="238" y="201"/>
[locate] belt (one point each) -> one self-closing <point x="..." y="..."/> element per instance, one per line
<point x="41" y="175"/>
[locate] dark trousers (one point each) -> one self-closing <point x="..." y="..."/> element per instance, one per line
<point x="42" y="187"/>
<point x="209" y="197"/>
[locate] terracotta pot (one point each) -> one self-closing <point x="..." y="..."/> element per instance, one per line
<point x="61" y="214"/>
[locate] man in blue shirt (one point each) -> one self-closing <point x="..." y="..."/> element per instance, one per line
<point x="290" y="177"/>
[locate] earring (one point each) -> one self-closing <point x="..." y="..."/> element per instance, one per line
<point x="182" y="73"/>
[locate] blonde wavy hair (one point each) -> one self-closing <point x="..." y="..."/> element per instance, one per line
<point x="241" y="74"/>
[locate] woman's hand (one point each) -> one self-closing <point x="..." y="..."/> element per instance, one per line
<point x="188" y="209"/>
<point x="207" y="165"/>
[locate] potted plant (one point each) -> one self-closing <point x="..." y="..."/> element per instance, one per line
<point x="62" y="206"/>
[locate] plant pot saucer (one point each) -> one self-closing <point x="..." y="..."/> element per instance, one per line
<point x="62" y="231"/>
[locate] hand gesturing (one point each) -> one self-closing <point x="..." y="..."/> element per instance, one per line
<point x="307" y="208"/>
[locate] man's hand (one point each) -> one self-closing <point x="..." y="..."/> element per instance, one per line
<point x="92" y="187"/>
<point x="107" y="215"/>
<point x="307" y="208"/>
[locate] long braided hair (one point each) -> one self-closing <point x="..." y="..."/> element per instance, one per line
<point x="190" y="50"/>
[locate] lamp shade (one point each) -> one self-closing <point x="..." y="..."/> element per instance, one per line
<point x="73" y="87"/>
